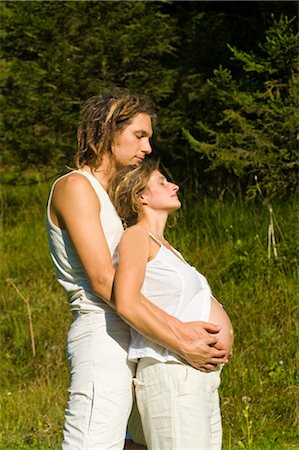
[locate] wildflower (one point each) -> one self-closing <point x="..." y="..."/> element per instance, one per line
<point x="246" y="399"/>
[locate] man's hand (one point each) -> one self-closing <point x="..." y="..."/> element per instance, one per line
<point x="199" y="329"/>
<point x="199" y="348"/>
<point x="203" y="355"/>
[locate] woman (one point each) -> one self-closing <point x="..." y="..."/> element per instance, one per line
<point x="178" y="404"/>
<point x="84" y="230"/>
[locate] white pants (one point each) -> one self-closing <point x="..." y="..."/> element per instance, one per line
<point x="100" y="392"/>
<point x="178" y="405"/>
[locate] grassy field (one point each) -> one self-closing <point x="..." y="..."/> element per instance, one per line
<point x="228" y="241"/>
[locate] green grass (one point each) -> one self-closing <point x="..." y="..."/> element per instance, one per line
<point x="227" y="241"/>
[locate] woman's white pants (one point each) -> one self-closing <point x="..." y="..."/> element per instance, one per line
<point x="178" y="405"/>
<point x="100" y="392"/>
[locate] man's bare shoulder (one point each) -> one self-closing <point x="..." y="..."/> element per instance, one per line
<point x="74" y="181"/>
<point x="74" y="192"/>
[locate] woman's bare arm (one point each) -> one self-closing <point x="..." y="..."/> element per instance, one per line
<point x="76" y="207"/>
<point x="190" y="340"/>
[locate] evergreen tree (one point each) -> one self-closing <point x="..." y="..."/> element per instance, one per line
<point x="58" y="54"/>
<point x="254" y="137"/>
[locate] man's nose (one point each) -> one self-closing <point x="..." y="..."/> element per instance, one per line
<point x="146" y="146"/>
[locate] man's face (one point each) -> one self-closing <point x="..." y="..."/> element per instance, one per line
<point x="132" y="144"/>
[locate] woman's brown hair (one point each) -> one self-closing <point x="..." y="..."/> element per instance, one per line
<point x="126" y="187"/>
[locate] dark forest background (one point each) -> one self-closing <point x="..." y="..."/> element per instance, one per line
<point x="223" y="76"/>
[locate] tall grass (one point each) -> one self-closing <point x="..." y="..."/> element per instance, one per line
<point x="33" y="388"/>
<point x="228" y="242"/>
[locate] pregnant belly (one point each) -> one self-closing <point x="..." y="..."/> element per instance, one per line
<point x="220" y="317"/>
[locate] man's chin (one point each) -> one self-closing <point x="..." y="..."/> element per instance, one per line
<point x="138" y="161"/>
<point x="131" y="163"/>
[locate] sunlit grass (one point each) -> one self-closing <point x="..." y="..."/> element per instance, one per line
<point x="227" y="241"/>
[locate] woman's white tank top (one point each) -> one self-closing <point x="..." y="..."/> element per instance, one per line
<point x="177" y="288"/>
<point x="69" y="270"/>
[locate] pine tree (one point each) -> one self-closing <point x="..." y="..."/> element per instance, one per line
<point x="55" y="55"/>
<point x="254" y="137"/>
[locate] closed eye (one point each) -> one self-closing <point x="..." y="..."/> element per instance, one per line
<point x="142" y="134"/>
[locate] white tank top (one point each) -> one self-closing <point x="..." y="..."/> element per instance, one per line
<point x="177" y="288"/>
<point x="69" y="270"/>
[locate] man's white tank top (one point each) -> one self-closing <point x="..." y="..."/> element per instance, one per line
<point x="69" y="270"/>
<point x="179" y="289"/>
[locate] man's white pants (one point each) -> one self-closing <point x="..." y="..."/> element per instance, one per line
<point x="178" y="405"/>
<point x="100" y="392"/>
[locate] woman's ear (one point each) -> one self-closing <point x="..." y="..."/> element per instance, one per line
<point x="142" y="199"/>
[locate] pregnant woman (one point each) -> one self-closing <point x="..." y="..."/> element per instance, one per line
<point x="179" y="405"/>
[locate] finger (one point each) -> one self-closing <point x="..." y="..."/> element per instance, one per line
<point x="208" y="368"/>
<point x="211" y="327"/>
<point x="221" y="346"/>
<point x="217" y="361"/>
<point x="216" y="353"/>
<point x="211" y="341"/>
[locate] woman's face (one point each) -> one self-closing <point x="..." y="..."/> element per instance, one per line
<point x="132" y="144"/>
<point x="160" y="194"/>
